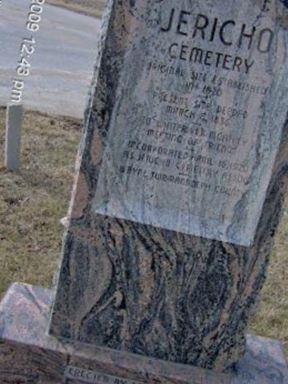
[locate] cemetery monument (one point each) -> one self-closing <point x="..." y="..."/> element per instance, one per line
<point x="181" y="178"/>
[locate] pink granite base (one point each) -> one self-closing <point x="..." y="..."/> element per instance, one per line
<point x="29" y="355"/>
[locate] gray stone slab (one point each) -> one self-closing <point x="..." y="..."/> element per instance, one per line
<point x="200" y="118"/>
<point x="29" y="355"/>
<point x="14" y="116"/>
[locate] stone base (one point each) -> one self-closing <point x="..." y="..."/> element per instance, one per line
<point x="29" y="355"/>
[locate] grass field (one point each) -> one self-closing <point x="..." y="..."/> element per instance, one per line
<point x="87" y="7"/>
<point x="33" y="201"/>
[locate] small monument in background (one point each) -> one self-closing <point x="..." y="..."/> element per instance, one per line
<point x="180" y="185"/>
<point x="14" y="118"/>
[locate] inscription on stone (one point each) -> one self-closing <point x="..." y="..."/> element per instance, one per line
<point x="193" y="136"/>
<point x="93" y="377"/>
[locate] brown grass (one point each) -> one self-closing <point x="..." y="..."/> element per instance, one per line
<point x="271" y="320"/>
<point x="87" y="7"/>
<point x="33" y="200"/>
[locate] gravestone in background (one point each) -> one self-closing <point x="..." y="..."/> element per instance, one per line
<point x="14" y="118"/>
<point x="181" y="180"/>
<point x="180" y="184"/>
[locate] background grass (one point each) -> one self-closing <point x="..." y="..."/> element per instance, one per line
<point x="33" y="200"/>
<point x="87" y="7"/>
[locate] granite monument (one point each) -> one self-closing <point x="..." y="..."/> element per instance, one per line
<point x="181" y="177"/>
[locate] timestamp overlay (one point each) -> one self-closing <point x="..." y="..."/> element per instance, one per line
<point x="27" y="50"/>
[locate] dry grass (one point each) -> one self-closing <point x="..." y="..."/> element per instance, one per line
<point x="33" y="201"/>
<point x="271" y="319"/>
<point x="87" y="7"/>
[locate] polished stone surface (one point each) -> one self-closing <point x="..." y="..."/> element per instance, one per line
<point x="141" y="288"/>
<point x="180" y="152"/>
<point x="29" y="355"/>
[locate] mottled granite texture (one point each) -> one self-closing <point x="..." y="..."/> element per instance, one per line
<point x="29" y="355"/>
<point x="145" y="289"/>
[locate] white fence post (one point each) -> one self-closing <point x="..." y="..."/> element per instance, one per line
<point x="14" y="117"/>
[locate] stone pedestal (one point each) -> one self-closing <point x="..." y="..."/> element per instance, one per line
<point x="29" y="355"/>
